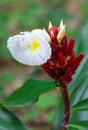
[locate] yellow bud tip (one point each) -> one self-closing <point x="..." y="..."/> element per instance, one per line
<point x="44" y="29"/>
<point x="61" y="33"/>
<point x="50" y="24"/>
<point x="61" y="23"/>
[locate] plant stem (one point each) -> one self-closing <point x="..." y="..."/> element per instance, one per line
<point x="66" y="101"/>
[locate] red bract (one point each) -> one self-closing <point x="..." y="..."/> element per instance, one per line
<point x="63" y="62"/>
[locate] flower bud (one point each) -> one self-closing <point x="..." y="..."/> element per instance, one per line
<point x="61" y="32"/>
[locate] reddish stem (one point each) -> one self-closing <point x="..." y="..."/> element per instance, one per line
<point x="65" y="96"/>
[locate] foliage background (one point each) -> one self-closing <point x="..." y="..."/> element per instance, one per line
<point x="16" y="16"/>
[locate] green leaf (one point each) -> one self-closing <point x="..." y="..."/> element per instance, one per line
<point x="8" y="121"/>
<point x="81" y="106"/>
<point x="58" y="115"/>
<point x="71" y="128"/>
<point x="78" y="89"/>
<point x="80" y="125"/>
<point x="29" y="92"/>
<point x="85" y="38"/>
<point x="79" y="82"/>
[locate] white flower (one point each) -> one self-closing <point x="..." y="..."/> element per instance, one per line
<point x="61" y="33"/>
<point x="42" y="33"/>
<point x="30" y="48"/>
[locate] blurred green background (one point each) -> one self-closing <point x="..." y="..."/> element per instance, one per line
<point x="25" y="15"/>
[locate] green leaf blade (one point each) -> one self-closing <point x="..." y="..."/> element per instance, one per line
<point x="8" y="121"/>
<point x="80" y="125"/>
<point x="81" y="106"/>
<point x="29" y="92"/>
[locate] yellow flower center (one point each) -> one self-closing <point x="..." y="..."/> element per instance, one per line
<point x="33" y="46"/>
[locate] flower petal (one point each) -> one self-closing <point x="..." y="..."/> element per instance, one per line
<point x="41" y="33"/>
<point x="18" y="46"/>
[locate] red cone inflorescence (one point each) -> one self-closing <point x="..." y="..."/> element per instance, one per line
<point x="63" y="62"/>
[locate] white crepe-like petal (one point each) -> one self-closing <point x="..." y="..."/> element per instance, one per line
<point x="42" y="33"/>
<point x="25" y="33"/>
<point x="18" y="47"/>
